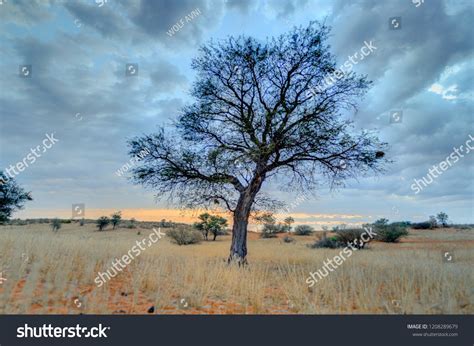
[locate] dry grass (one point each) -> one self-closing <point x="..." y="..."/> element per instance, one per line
<point x="54" y="273"/>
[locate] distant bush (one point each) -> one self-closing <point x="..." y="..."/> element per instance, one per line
<point x="131" y="224"/>
<point x="165" y="224"/>
<point x="288" y="239"/>
<point x="351" y="235"/>
<point x="81" y="223"/>
<point x="330" y="243"/>
<point x="66" y="221"/>
<point x="390" y="233"/>
<point x="304" y="230"/>
<point x="404" y="224"/>
<point x="19" y="222"/>
<point x="56" y="225"/>
<point x="184" y="235"/>
<point x="421" y="225"/>
<point x="270" y="231"/>
<point x="463" y="226"/>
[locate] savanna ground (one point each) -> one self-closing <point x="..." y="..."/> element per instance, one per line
<point x="50" y="272"/>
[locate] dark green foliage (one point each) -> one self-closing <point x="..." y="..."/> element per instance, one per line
<point x="102" y="222"/>
<point x="288" y="239"/>
<point x="442" y="219"/>
<point x="391" y="233"/>
<point x="12" y="197"/>
<point x="211" y="224"/>
<point x="330" y="243"/>
<point x="421" y="225"/>
<point x="115" y="219"/>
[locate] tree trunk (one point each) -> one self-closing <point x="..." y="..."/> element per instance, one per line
<point x="238" y="248"/>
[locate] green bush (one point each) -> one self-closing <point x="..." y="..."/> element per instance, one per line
<point x="330" y="243"/>
<point x="183" y="235"/>
<point x="287" y="239"/>
<point x="391" y="234"/>
<point x="304" y="230"/>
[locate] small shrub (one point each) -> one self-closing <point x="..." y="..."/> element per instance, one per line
<point x="304" y="230"/>
<point x="81" y="223"/>
<point x="329" y="243"/>
<point x="131" y="224"/>
<point x="421" y="225"/>
<point x="288" y="239"/>
<point x="269" y="231"/>
<point x="184" y="235"/>
<point x="102" y="222"/>
<point x="391" y="234"/>
<point x="55" y="225"/>
<point x="351" y="235"/>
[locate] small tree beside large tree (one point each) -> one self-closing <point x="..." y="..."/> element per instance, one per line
<point x="259" y="113"/>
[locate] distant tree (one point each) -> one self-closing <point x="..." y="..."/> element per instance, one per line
<point x="259" y="112"/>
<point x="203" y="225"/>
<point x="433" y="222"/>
<point x="217" y="225"/>
<point x="12" y="197"/>
<point x="56" y="225"/>
<point x="116" y="219"/>
<point x="287" y="222"/>
<point x="443" y="219"/>
<point x="102" y="222"/>
<point x="211" y="223"/>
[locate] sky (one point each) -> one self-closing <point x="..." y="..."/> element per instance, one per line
<point x="63" y="66"/>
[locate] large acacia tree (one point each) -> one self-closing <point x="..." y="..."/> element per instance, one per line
<point x="259" y="112"/>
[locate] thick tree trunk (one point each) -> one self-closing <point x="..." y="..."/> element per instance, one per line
<point x="238" y="248"/>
